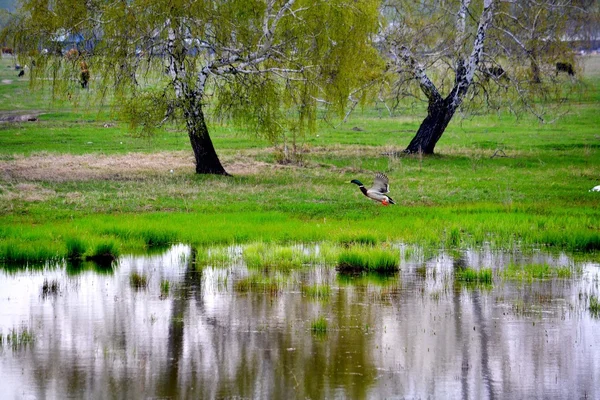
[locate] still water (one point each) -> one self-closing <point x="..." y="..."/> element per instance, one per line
<point x="415" y="334"/>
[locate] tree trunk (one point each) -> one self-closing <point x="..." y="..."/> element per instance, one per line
<point x="439" y="114"/>
<point x="207" y="161"/>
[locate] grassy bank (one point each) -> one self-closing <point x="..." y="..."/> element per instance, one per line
<point x="497" y="178"/>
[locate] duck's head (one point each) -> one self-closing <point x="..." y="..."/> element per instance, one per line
<point x="356" y="182"/>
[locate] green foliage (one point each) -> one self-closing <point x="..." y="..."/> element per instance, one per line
<point x="260" y="64"/>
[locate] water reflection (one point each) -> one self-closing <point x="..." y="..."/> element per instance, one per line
<point x="412" y="334"/>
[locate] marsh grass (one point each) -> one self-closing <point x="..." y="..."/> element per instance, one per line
<point x="216" y="256"/>
<point x="76" y="248"/>
<point x="138" y="281"/>
<point x="471" y="276"/>
<point x="17" y="338"/>
<point x="104" y="253"/>
<point x="318" y="292"/>
<point x="165" y="288"/>
<point x="367" y="259"/>
<point x="364" y="240"/>
<point x="319" y="326"/>
<point x="594" y="306"/>
<point x="270" y="256"/>
<point x="259" y="283"/>
<point x="26" y="253"/>
<point x="158" y="238"/>
<point x="537" y="271"/>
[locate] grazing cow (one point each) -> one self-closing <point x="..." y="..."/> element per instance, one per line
<point x="565" y="67"/>
<point x="84" y="75"/>
<point x="21" y="73"/>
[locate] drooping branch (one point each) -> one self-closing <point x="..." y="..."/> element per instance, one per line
<point x="236" y="63"/>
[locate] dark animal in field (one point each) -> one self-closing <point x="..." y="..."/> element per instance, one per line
<point x="378" y="191"/>
<point x="84" y="75"/>
<point x="21" y="73"/>
<point x="565" y="67"/>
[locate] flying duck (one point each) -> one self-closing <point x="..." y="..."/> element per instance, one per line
<point x="378" y="191"/>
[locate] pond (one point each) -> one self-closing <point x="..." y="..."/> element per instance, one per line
<point x="170" y="326"/>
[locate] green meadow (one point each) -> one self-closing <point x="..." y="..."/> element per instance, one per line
<point x="77" y="183"/>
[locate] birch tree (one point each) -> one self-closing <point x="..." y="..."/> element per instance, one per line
<point x="263" y="63"/>
<point x="481" y="51"/>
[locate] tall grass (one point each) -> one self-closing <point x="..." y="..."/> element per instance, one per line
<point x="537" y="271"/>
<point x="594" y="306"/>
<point x="319" y="326"/>
<point x="483" y="276"/>
<point x="259" y="283"/>
<point x="104" y="253"/>
<point x="319" y="292"/>
<point x="360" y="258"/>
<point x="75" y="248"/>
<point x="270" y="256"/>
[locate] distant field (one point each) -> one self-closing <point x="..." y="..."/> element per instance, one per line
<point x="496" y="179"/>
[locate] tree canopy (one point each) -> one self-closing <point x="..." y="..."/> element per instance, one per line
<point x="478" y="53"/>
<point x="263" y="63"/>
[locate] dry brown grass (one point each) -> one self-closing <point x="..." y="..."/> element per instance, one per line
<point x="44" y="167"/>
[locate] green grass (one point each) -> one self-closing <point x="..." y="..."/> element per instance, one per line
<point x="318" y="292"/>
<point x="319" y="326"/>
<point x="104" y="253"/>
<point x="536" y="196"/>
<point x="537" y="271"/>
<point x="165" y="287"/>
<point x="360" y="258"/>
<point x="270" y="256"/>
<point x="76" y="248"/>
<point x="259" y="283"/>
<point x="483" y="276"/>
<point x="17" y="338"/>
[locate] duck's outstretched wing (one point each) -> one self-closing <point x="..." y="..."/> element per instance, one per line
<point x="380" y="184"/>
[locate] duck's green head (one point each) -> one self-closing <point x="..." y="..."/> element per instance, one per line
<point x="356" y="182"/>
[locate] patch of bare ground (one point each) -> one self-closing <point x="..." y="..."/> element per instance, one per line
<point x="44" y="167"/>
<point x="19" y="116"/>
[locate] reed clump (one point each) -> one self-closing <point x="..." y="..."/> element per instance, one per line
<point x="319" y="326"/>
<point x="367" y="259"/>
<point x="138" y="281"/>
